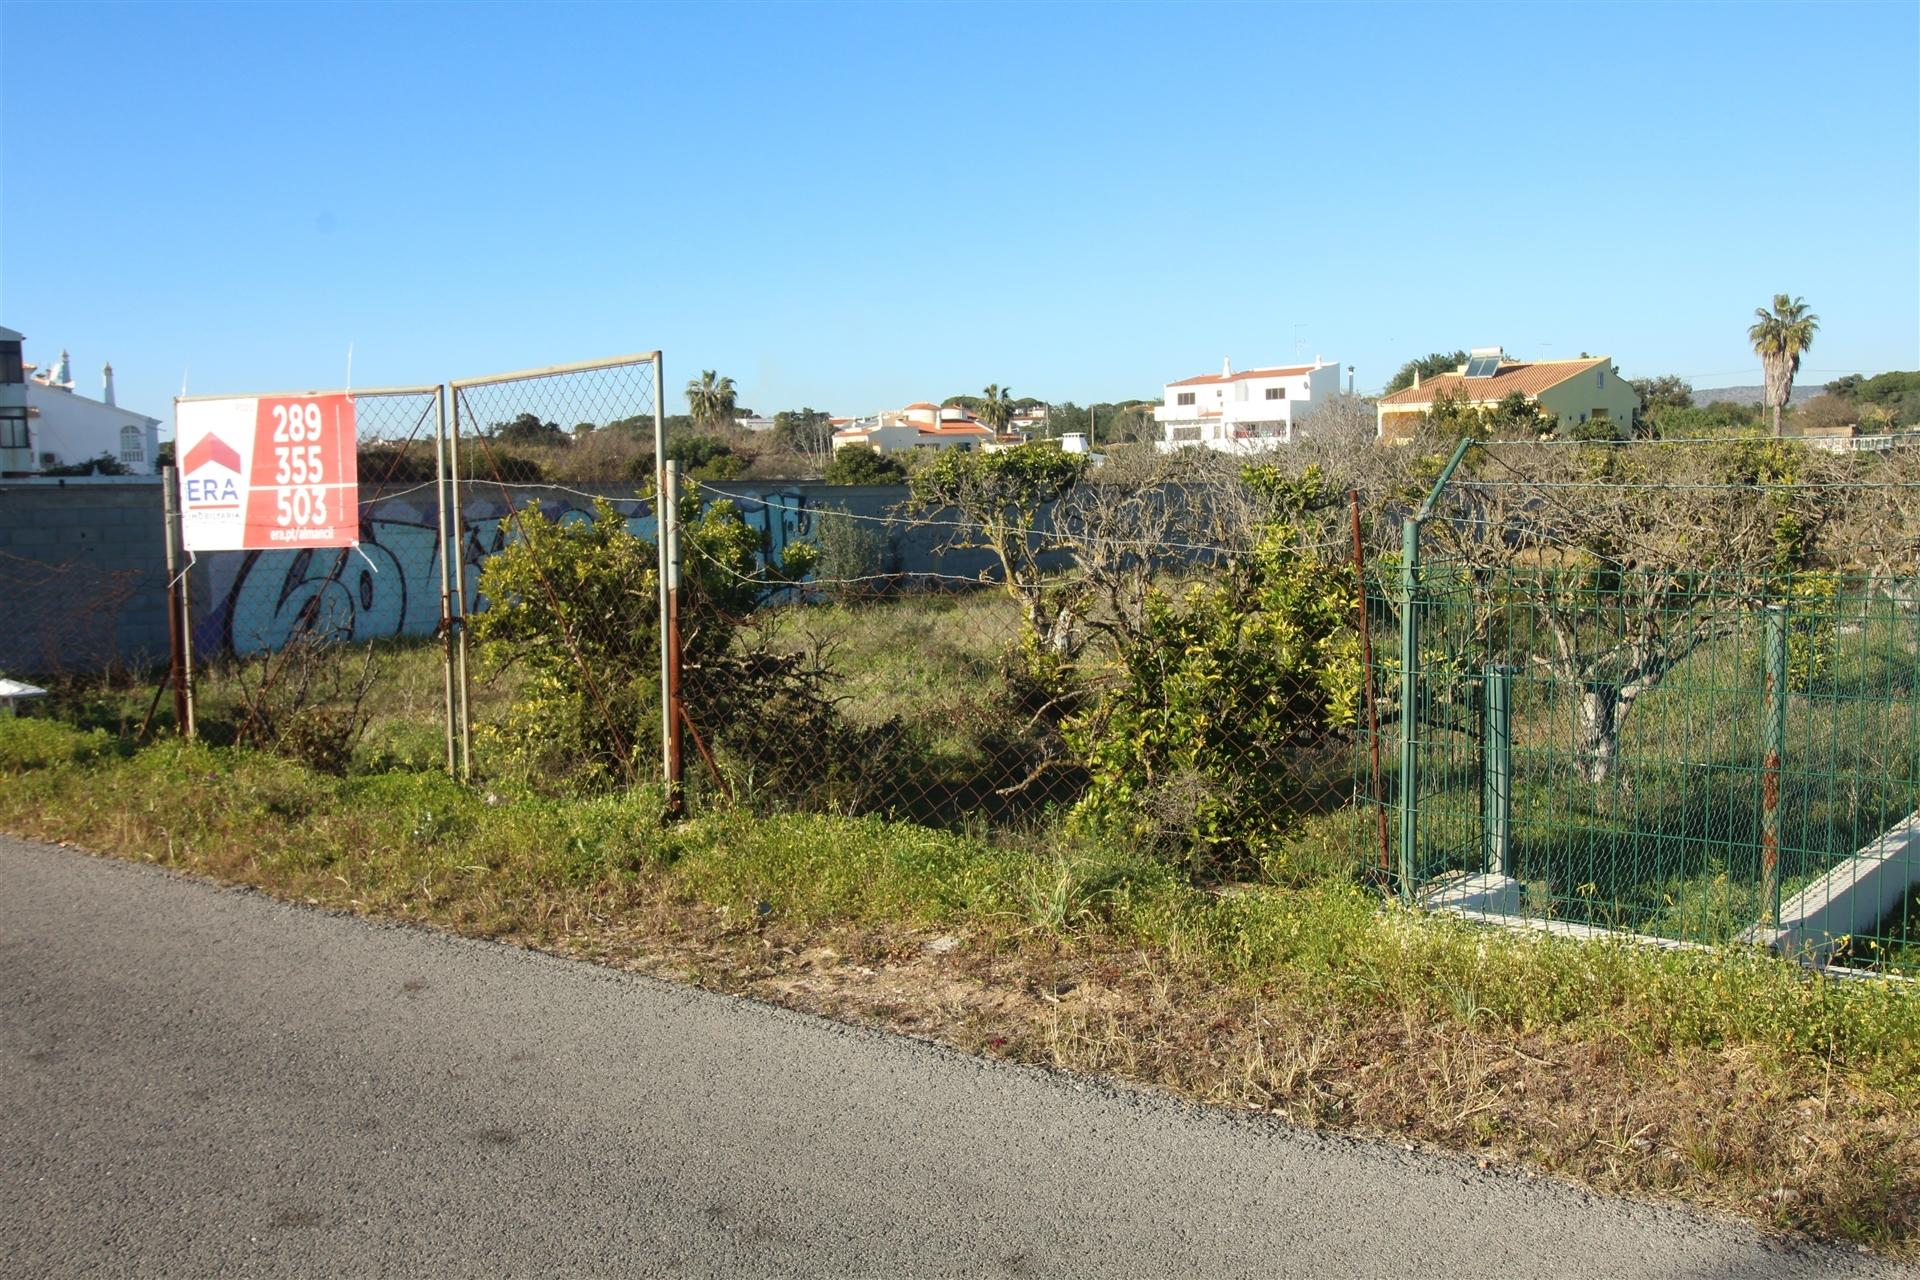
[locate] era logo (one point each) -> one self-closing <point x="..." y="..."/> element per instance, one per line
<point x="212" y="489"/>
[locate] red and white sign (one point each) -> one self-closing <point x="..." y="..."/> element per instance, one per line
<point x="267" y="472"/>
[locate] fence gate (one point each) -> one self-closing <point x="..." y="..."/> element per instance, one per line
<point x="592" y="658"/>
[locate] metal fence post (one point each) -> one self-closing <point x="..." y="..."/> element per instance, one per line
<point x="1774" y="748"/>
<point x="448" y="532"/>
<point x="177" y="671"/>
<point x="671" y="714"/>
<point x="462" y="687"/>
<point x="1409" y="704"/>
<point x="1496" y="794"/>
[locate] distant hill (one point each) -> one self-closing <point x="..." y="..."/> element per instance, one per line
<point x="1752" y="395"/>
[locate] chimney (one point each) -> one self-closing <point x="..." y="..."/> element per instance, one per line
<point x="1349" y="379"/>
<point x="1226" y="367"/>
<point x="1416" y="379"/>
<point x="106" y="383"/>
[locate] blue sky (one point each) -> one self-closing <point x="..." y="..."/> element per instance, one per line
<point x="853" y="206"/>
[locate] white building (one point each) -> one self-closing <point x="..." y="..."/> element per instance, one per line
<point x="1243" y="412"/>
<point x="920" y="425"/>
<point x="62" y="428"/>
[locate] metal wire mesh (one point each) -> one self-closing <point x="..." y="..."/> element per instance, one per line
<point x="559" y="584"/>
<point x="1120" y="672"/>
<point x="1677" y="696"/>
<point x="283" y="640"/>
<point x="63" y="616"/>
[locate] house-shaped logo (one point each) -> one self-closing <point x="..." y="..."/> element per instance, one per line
<point x="211" y="449"/>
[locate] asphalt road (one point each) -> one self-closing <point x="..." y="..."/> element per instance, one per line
<point x="202" y="1082"/>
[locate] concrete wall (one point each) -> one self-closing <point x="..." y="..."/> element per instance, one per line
<point x="82" y="574"/>
<point x="83" y="580"/>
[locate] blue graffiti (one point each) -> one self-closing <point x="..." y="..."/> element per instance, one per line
<point x="390" y="585"/>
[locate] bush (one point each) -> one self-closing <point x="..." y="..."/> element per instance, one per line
<point x="1222" y="702"/>
<point x="305" y="701"/>
<point x="853" y="554"/>
<point x="861" y="464"/>
<point x="575" y="606"/>
<point x="701" y="457"/>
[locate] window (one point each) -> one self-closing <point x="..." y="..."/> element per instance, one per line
<point x="1600" y="378"/>
<point x="1185" y="397"/>
<point x="12" y="372"/>
<point x="1601" y="415"/>
<point x="1276" y="393"/>
<point x="13" y="428"/>
<point x="133" y="444"/>
<point x="1185" y="433"/>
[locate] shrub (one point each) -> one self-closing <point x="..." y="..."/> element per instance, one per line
<point x="575" y="606"/>
<point x="861" y="464"/>
<point x="853" y="554"/>
<point x="305" y="701"/>
<point x="1221" y="701"/>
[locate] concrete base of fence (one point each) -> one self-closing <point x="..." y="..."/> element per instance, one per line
<point x="1491" y="894"/>
<point x="1851" y="899"/>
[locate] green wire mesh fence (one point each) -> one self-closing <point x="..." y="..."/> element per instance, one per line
<point x="1651" y="703"/>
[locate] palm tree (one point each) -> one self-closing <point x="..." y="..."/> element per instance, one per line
<point x="1779" y="337"/>
<point x="996" y="408"/>
<point x="711" y="399"/>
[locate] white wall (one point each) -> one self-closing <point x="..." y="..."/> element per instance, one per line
<point x="1241" y="404"/>
<point x="74" y="429"/>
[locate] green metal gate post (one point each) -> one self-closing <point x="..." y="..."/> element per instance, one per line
<point x="1409" y="704"/>
<point x="1774" y="748"/>
<point x="1496" y="794"/>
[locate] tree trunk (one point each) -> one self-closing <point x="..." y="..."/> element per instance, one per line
<point x="1599" y="730"/>
<point x="1776" y="420"/>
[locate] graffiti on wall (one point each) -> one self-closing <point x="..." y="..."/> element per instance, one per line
<point x="390" y="585"/>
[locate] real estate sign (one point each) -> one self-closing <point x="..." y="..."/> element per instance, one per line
<point x="267" y="472"/>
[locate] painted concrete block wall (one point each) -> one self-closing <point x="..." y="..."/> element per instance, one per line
<point x="83" y="569"/>
<point x="82" y="574"/>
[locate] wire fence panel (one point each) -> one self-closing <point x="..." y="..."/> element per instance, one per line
<point x="559" y="620"/>
<point x="64" y="616"/>
<point x="1149" y="658"/>
<point x="1671" y="693"/>
<point x="308" y="648"/>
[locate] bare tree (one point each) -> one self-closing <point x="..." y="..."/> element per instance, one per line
<point x="1631" y="557"/>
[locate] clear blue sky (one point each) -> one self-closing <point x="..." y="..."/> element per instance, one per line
<point x="852" y="207"/>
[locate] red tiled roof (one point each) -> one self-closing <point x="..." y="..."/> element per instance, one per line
<point x="1529" y="379"/>
<point x="922" y="404"/>
<point x="1291" y="371"/>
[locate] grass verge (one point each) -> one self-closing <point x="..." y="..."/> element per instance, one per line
<point x="1722" y="1079"/>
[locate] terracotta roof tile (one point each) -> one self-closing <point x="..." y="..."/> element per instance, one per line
<point x="1528" y="379"/>
<point x="1290" y="371"/>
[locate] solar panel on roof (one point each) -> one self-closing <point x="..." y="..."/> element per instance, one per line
<point x="1483" y="366"/>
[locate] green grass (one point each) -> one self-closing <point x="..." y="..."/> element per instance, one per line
<point x="1207" y="991"/>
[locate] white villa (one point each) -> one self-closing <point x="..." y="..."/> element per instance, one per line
<point x="919" y="425"/>
<point x="1243" y="412"/>
<point x="45" y="423"/>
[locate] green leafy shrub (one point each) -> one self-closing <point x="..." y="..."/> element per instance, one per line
<point x="853" y="554"/>
<point x="862" y="464"/>
<point x="574" y="604"/>
<point x="575" y="607"/>
<point x="1223" y="703"/>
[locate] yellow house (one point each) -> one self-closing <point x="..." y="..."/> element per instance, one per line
<point x="1571" y="391"/>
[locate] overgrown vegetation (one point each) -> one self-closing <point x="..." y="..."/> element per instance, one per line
<point x="1719" y="1078"/>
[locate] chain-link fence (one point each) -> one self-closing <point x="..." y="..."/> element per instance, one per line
<point x="557" y="621"/>
<point x="64" y="616"/>
<point x="1672" y="690"/>
<point x="284" y="641"/>
<point x="1161" y="653"/>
